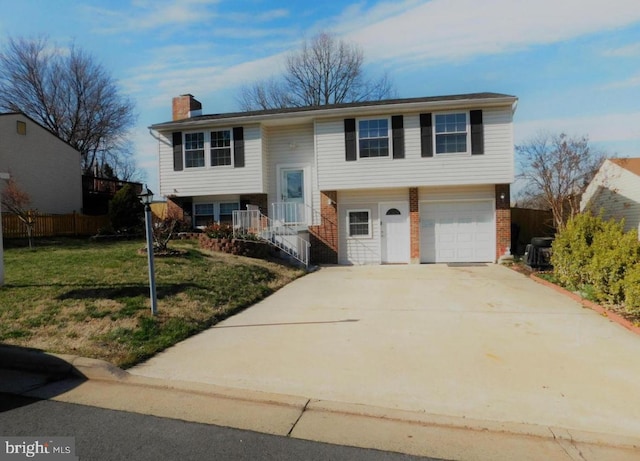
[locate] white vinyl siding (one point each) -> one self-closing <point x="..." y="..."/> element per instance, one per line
<point x="614" y="191"/>
<point x="495" y="166"/>
<point x="362" y="250"/>
<point x="218" y="180"/>
<point x="291" y="146"/>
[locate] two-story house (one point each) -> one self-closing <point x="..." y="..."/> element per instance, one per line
<point x="394" y="181"/>
<point x="43" y="165"/>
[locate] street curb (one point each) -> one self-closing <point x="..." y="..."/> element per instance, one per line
<point x="612" y="316"/>
<point x="68" y="366"/>
<point x="57" y="366"/>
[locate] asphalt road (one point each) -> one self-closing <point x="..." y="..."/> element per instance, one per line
<point x="115" y="435"/>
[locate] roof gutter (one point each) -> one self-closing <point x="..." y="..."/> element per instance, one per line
<point x="342" y="111"/>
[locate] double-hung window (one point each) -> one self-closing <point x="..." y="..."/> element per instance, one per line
<point x="359" y="223"/>
<point x="226" y="212"/>
<point x="214" y="213"/>
<point x="203" y="214"/>
<point x="373" y="138"/>
<point x="451" y="132"/>
<point x="193" y="150"/>
<point x="221" y="148"/>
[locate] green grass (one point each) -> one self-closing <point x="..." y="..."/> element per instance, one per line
<point x="92" y="299"/>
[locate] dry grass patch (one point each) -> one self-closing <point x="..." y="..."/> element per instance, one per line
<point x="92" y="299"/>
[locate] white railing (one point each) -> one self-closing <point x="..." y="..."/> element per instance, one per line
<point x="284" y="237"/>
<point x="291" y="213"/>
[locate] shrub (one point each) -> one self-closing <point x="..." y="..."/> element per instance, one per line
<point x="632" y="289"/>
<point x="126" y="213"/>
<point x="219" y="231"/>
<point x="572" y="250"/>
<point x="614" y="252"/>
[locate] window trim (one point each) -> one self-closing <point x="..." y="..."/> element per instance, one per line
<point x="216" y="210"/>
<point x="369" y="223"/>
<point x="389" y="138"/>
<point x="435" y="134"/>
<point x="231" y="148"/>
<point x="207" y="148"/>
<point x="204" y="149"/>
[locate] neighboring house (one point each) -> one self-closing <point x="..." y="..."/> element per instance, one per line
<point x="43" y="165"/>
<point x="395" y="181"/>
<point x="615" y="192"/>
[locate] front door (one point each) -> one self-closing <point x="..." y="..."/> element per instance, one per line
<point x="394" y="232"/>
<point x="292" y="194"/>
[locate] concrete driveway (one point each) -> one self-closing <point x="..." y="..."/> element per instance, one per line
<point x="479" y="342"/>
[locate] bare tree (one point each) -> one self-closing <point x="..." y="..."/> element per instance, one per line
<point x="69" y="93"/>
<point x="325" y="70"/>
<point x="557" y="168"/>
<point x="17" y="201"/>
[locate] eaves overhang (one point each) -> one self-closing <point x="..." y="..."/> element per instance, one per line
<point x="308" y="114"/>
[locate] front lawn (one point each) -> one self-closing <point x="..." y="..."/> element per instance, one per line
<point x="92" y="299"/>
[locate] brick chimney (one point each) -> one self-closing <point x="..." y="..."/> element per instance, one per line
<point x="186" y="106"/>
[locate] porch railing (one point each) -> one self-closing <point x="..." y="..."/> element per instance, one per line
<point x="291" y="213"/>
<point x="284" y="237"/>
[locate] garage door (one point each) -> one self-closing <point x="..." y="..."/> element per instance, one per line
<point x="457" y="232"/>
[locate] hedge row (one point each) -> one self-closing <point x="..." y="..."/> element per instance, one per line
<point x="598" y="258"/>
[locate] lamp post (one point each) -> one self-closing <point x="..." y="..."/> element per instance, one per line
<point x="146" y="196"/>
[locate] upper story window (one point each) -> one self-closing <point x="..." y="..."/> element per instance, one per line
<point x="21" y="127"/>
<point x="221" y="147"/>
<point x="373" y="138"/>
<point x="193" y="150"/>
<point x="451" y="132"/>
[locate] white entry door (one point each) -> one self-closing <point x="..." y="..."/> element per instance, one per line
<point x="292" y="190"/>
<point x="394" y="232"/>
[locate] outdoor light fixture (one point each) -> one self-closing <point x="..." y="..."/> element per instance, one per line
<point x="146" y="197"/>
<point x="502" y="197"/>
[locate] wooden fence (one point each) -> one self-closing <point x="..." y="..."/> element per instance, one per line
<point x="50" y="225"/>
<point x="527" y="223"/>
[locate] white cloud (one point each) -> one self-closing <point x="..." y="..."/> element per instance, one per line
<point x="630" y="82"/>
<point x="443" y="30"/>
<point x="603" y="128"/>
<point x="627" y="51"/>
<point x="150" y="15"/>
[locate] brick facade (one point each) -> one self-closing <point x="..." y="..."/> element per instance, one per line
<point x="184" y="104"/>
<point x="414" y="220"/>
<point x="503" y="219"/>
<point x="324" y="237"/>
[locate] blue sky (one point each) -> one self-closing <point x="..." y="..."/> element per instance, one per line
<point x="573" y="64"/>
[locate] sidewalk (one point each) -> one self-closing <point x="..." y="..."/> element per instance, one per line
<point x="96" y="383"/>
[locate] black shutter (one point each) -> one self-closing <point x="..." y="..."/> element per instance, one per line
<point x="177" y="151"/>
<point x="351" y="153"/>
<point x="397" y="129"/>
<point x="426" y="135"/>
<point x="238" y="147"/>
<point x="477" y="132"/>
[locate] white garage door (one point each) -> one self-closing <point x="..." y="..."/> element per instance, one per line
<point x="457" y="232"/>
